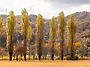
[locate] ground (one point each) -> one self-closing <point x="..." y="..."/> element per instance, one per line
<point x="79" y="63"/>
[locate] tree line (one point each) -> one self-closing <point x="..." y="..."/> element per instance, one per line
<point x="27" y="35"/>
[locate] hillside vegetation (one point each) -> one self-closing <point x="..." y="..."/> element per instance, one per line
<point x="82" y="35"/>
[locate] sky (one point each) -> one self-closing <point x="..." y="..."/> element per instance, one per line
<point x="47" y="8"/>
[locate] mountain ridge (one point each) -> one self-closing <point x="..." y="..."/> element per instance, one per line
<point x="83" y="28"/>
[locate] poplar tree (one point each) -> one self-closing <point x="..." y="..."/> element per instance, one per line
<point x="71" y="34"/>
<point x="10" y="29"/>
<point x="39" y="35"/>
<point x="52" y="36"/>
<point x="25" y="25"/>
<point x="1" y="28"/>
<point x="61" y="32"/>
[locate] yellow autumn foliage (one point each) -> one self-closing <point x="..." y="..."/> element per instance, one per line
<point x="10" y="29"/>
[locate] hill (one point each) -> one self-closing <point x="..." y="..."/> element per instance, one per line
<point x="82" y="35"/>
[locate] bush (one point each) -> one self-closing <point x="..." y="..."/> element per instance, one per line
<point x="84" y="58"/>
<point x="58" y="58"/>
<point x="76" y="57"/>
<point x="69" y="58"/>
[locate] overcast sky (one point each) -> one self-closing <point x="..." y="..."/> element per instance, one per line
<point x="47" y="8"/>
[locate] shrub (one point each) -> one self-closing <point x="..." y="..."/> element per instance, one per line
<point x="58" y="58"/>
<point x="76" y="57"/>
<point x="69" y="58"/>
<point x="84" y="58"/>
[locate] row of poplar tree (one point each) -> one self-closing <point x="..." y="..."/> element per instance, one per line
<point x="61" y="32"/>
<point x="27" y="35"/>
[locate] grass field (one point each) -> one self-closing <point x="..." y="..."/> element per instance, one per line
<point x="43" y="63"/>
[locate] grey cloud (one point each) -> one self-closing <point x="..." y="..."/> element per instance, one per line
<point x="66" y="4"/>
<point x="74" y="2"/>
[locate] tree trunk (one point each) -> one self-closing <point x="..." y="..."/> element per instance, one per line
<point x="11" y="48"/>
<point x="21" y="56"/>
<point x="40" y="51"/>
<point x="62" y="43"/>
<point x="25" y="43"/>
<point x="10" y="55"/>
<point x="52" y="57"/>
<point x="61" y="52"/>
<point x="25" y="57"/>
<point x="14" y="57"/>
<point x="29" y="51"/>
<point x="40" y="48"/>
<point x="39" y="57"/>
<point x="72" y="52"/>
<point x="52" y="51"/>
<point x="17" y="57"/>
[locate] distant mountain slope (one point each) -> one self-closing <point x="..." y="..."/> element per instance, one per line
<point x="83" y="28"/>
